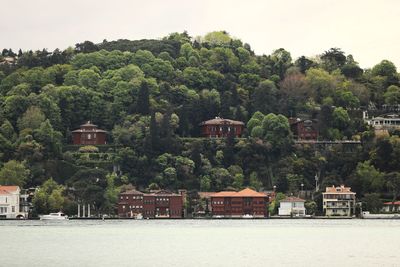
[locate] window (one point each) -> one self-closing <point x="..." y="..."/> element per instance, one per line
<point x="89" y="136"/>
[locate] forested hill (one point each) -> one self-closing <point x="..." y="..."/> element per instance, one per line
<point x="150" y="94"/>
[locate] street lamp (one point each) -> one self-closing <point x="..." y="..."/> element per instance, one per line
<point x="302" y="191"/>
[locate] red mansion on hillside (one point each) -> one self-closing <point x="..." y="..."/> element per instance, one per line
<point x="220" y="127"/>
<point x="89" y="134"/>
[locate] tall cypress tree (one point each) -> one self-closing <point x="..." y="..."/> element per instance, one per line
<point x="143" y="102"/>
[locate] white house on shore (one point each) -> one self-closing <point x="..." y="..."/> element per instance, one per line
<point x="391" y="206"/>
<point x="9" y="201"/>
<point x="292" y="206"/>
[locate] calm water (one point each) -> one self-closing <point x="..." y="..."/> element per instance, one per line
<point x="201" y="243"/>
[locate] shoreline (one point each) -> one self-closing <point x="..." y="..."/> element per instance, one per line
<point x="176" y="219"/>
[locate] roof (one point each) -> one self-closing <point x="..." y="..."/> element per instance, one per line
<point x="396" y="203"/>
<point x="89" y="125"/>
<point x="293" y="121"/>
<point x="338" y="190"/>
<point x="293" y="199"/>
<point x="132" y="192"/>
<point x="205" y="194"/>
<point x="221" y="121"/>
<point x="247" y="192"/>
<point x="161" y="193"/>
<point x="89" y="131"/>
<point x="8" y="189"/>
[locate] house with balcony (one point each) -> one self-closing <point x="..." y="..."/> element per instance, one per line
<point x="292" y="206"/>
<point x="9" y="202"/>
<point x="157" y="204"/>
<point x="339" y="201"/>
<point x="245" y="203"/>
<point x="220" y="127"/>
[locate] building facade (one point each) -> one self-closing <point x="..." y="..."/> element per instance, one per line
<point x="339" y="201"/>
<point x="89" y="134"/>
<point x="159" y="204"/>
<point x="239" y="204"/>
<point x="391" y="207"/>
<point x="9" y="202"/>
<point x="220" y="127"/>
<point x="304" y="129"/>
<point x="292" y="206"/>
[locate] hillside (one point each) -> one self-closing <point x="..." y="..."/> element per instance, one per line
<point x="151" y="95"/>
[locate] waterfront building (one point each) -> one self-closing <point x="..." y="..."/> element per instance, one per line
<point x="304" y="129"/>
<point x="239" y="204"/>
<point x="339" y="201"/>
<point x="292" y="206"/>
<point x="9" y="202"/>
<point x="220" y="127"/>
<point x="391" y="206"/>
<point x="89" y="134"/>
<point x="158" y="204"/>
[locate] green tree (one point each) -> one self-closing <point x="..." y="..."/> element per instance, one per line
<point x="393" y="183"/>
<point x="255" y="182"/>
<point x="341" y="119"/>
<point x="88" y="78"/>
<point x="31" y="119"/>
<point x="143" y="102"/>
<point x="217" y="38"/>
<point x="311" y="207"/>
<point x="111" y="193"/>
<point x="14" y="173"/>
<point x="264" y="98"/>
<point x="392" y="95"/>
<point x="373" y="203"/>
<point x="49" y="197"/>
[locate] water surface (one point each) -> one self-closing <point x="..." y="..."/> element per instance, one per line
<point x="201" y="243"/>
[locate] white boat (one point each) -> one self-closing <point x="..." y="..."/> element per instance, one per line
<point x="139" y="216"/>
<point x="54" y="216"/>
<point x="367" y="215"/>
<point x="247" y="216"/>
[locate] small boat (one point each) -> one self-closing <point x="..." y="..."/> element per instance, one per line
<point x="139" y="216"/>
<point x="54" y="216"/>
<point x="247" y="216"/>
<point x="367" y="215"/>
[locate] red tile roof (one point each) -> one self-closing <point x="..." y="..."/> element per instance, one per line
<point x="244" y="193"/>
<point x="132" y="192"/>
<point x="396" y="203"/>
<point x="89" y="125"/>
<point x="161" y="193"/>
<point x="293" y="199"/>
<point x="221" y="121"/>
<point x="8" y="189"/>
<point x="338" y="190"/>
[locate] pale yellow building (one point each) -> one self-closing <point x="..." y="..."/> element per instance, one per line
<point x="339" y="201"/>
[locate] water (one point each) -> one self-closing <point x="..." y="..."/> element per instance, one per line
<point x="201" y="243"/>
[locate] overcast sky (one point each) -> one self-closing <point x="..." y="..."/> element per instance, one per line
<point x="367" y="29"/>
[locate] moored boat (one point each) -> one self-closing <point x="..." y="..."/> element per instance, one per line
<point x="54" y="216"/>
<point x="367" y="215"/>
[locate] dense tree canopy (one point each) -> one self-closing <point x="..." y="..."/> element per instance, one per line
<point x="151" y="95"/>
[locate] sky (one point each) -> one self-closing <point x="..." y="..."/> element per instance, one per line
<point x="367" y="29"/>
